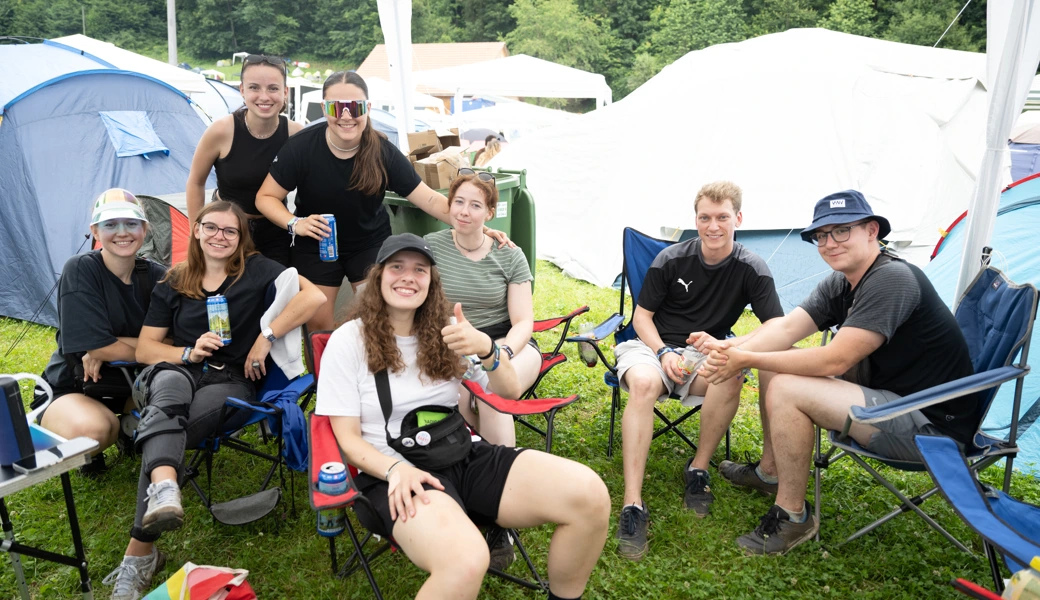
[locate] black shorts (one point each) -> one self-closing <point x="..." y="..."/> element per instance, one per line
<point x="270" y="240"/>
<point x="113" y="404"/>
<point x="354" y="266"/>
<point x="476" y="483"/>
<point x="499" y="331"/>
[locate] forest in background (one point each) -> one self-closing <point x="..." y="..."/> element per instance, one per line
<point x="628" y="41"/>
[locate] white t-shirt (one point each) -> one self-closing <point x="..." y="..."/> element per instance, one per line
<point x="346" y="388"/>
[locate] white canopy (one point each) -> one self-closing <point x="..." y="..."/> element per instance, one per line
<point x="790" y="117"/>
<point x="518" y="75"/>
<point x="381" y="94"/>
<point x="182" y="79"/>
<point x="514" y="119"/>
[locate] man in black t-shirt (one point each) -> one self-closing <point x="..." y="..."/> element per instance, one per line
<point x="700" y="286"/>
<point x="896" y="338"/>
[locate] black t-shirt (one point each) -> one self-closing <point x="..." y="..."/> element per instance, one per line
<point x="322" y="184"/>
<point x="187" y="319"/>
<point x="94" y="309"/>
<point x="924" y="346"/>
<point x="686" y="294"/>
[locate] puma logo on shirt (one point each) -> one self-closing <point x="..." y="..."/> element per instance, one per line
<point x="685" y="285"/>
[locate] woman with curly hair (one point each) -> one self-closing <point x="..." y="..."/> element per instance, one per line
<point x="402" y="324"/>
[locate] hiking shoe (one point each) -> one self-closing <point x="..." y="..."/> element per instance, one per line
<point x="95" y="468"/>
<point x="500" y="542"/>
<point x="776" y="534"/>
<point x="698" y="496"/>
<point x="744" y="475"/>
<point x="164" y="508"/>
<point x="133" y="577"/>
<point x="125" y="437"/>
<point x="631" y="533"/>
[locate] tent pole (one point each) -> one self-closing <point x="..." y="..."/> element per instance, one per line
<point x="171" y="31"/>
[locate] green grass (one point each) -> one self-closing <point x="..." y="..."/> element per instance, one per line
<point x="688" y="558"/>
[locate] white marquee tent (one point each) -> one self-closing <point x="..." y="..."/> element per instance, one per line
<point x="514" y="119"/>
<point x="790" y="117"/>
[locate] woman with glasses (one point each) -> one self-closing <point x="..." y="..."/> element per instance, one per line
<point x="241" y="146"/>
<point x="342" y="168"/>
<point x="190" y="380"/>
<point x="493" y="284"/>
<point x="102" y="300"/>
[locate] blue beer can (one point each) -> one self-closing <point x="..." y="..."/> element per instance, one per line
<point x="332" y="479"/>
<point x="219" y="320"/>
<point x="328" y="248"/>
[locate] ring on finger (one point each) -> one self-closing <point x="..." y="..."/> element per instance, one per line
<point x="256" y="364"/>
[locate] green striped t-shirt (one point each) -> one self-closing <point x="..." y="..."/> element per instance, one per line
<point x="481" y="286"/>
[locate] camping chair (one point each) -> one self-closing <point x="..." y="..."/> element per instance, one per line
<point x="996" y="317"/>
<point x="1007" y="526"/>
<point x="639" y="252"/>
<point x="324" y="448"/>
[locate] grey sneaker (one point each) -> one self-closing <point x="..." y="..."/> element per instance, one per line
<point x="133" y="577"/>
<point x="631" y="533"/>
<point x="501" y="545"/>
<point x="164" y="508"/>
<point x="744" y="475"/>
<point x="776" y="534"/>
<point x="698" y="496"/>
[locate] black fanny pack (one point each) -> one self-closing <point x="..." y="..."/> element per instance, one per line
<point x="114" y="382"/>
<point x="428" y="440"/>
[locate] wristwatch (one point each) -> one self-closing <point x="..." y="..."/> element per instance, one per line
<point x="665" y="350"/>
<point x="268" y="333"/>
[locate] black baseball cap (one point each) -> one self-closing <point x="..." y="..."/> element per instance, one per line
<point x="404" y="241"/>
<point x="844" y="207"/>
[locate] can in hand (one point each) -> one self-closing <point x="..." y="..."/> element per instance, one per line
<point x="332" y="521"/>
<point x="219" y="320"/>
<point x="328" y="247"/>
<point x="332" y="479"/>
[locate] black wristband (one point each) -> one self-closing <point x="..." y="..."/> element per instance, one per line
<point x="490" y="353"/>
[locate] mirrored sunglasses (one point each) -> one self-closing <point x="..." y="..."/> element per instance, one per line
<point x="337" y="108"/>
<point x="481" y="175"/>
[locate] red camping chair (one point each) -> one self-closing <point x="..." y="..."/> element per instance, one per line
<point x="324" y="448"/>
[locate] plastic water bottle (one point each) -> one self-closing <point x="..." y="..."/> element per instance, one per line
<point x="586" y="349"/>
<point x="1025" y="585"/>
<point x="689" y="363"/>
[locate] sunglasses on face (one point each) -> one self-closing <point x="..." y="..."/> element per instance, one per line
<point x="481" y="175"/>
<point x="130" y="225"/>
<point x="256" y="59"/>
<point x="338" y="108"/>
<point x="211" y="230"/>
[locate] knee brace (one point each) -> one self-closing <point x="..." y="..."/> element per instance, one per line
<point x="141" y="391"/>
<point x="154" y="421"/>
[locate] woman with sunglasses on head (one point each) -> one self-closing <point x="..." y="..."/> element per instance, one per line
<point x="189" y="381"/>
<point x="102" y="299"/>
<point x="342" y="168"/>
<point x="402" y="326"/>
<point x="241" y="147"/>
<point x="493" y="284"/>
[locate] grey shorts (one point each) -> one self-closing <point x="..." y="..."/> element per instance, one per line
<point x="635" y="352"/>
<point x="896" y="436"/>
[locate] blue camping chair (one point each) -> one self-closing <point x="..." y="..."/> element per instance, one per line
<point x="996" y="316"/>
<point x="1007" y="525"/>
<point x="639" y="251"/>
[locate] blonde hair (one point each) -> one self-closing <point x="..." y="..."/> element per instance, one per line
<point x="490" y="150"/>
<point x="718" y="192"/>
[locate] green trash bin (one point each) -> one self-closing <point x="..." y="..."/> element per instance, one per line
<point x="514" y="214"/>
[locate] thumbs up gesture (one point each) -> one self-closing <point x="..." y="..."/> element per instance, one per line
<point x="463" y="338"/>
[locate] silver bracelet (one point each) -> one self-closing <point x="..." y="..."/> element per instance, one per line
<point x="390" y="470"/>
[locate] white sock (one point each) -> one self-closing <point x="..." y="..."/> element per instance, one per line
<point x="765" y="478"/>
<point x="639" y="506"/>
<point x="797" y="517"/>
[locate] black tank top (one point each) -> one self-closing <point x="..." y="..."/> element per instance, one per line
<point x="241" y="173"/>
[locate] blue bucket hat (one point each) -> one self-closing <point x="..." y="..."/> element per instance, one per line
<point x="843" y="207"/>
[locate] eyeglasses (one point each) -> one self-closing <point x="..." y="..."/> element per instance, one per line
<point x="481" y="175"/>
<point x="838" y="234"/>
<point x="256" y="59"/>
<point x="211" y="229"/>
<point x="337" y="108"/>
<point x="114" y="225"/>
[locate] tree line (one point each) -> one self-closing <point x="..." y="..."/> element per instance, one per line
<point x="628" y="41"/>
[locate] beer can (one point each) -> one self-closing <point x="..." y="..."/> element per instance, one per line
<point x="328" y="248"/>
<point x="332" y="479"/>
<point x="332" y="521"/>
<point x="219" y="321"/>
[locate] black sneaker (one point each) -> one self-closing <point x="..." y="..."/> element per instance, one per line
<point x="698" y="496"/>
<point x="744" y="475"/>
<point x="500" y="543"/>
<point x="631" y="533"/>
<point x="776" y="534"/>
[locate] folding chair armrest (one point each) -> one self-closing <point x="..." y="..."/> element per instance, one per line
<point x="934" y="395"/>
<point x="300" y="386"/>
<point x="123" y="363"/>
<point x="534" y="406"/>
<point x="323" y="449"/>
<point x="254" y="405"/>
<point x="602" y="331"/>
<point x="547" y="324"/>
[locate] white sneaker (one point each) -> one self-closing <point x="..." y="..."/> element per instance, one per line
<point x="164" y="508"/>
<point x="133" y="576"/>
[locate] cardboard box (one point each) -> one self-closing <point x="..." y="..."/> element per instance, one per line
<point x="424" y="143"/>
<point x="438" y="170"/>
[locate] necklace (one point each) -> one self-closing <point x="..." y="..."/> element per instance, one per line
<point x="245" y="119"/>
<point x="479" y="246"/>
<point x="328" y="138"/>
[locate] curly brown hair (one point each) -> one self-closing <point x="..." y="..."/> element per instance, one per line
<point x="437" y="362"/>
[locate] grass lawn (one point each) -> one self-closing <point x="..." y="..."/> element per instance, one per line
<point x="688" y="557"/>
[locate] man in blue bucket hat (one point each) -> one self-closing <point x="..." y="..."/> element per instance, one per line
<point x="896" y="337"/>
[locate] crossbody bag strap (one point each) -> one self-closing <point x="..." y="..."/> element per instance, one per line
<point x="144" y="277"/>
<point x="385" y="400"/>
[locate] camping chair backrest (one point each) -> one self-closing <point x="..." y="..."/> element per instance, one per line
<point x="639" y="251"/>
<point x="996" y="317"/>
<point x="318" y="341"/>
